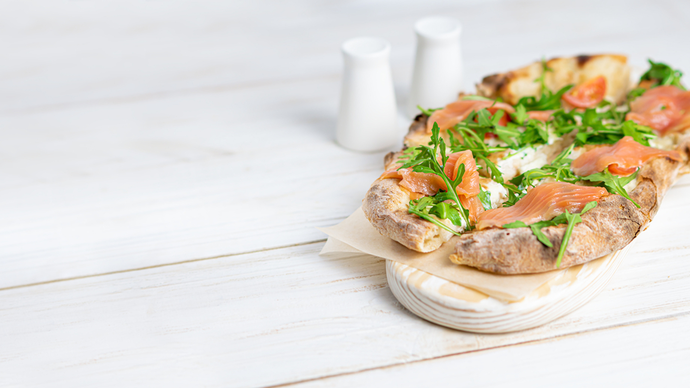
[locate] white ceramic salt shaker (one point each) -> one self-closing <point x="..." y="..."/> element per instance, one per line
<point x="437" y="75"/>
<point x="367" y="120"/>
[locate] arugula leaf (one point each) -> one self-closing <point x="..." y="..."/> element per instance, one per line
<point x="613" y="183"/>
<point x="447" y="211"/>
<point x="428" y="112"/>
<point x="662" y="74"/>
<point x="472" y="135"/>
<point x="515" y="224"/>
<point x="535" y="133"/>
<point x="485" y="198"/>
<point x="571" y="219"/>
<point x="595" y="130"/>
<point x="604" y="124"/>
<point x="547" y="101"/>
<point x="633" y="94"/>
<point x="509" y="135"/>
<point x="639" y="133"/>
<point x="494" y="172"/>
<point x="514" y="195"/>
<point x="424" y="159"/>
<point x="420" y="207"/>
<point x="475" y="98"/>
<point x="520" y="115"/>
<point x="558" y="169"/>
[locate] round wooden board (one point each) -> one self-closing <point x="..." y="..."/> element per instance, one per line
<point x="452" y="305"/>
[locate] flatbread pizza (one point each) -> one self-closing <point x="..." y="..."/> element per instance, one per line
<point x="545" y="167"/>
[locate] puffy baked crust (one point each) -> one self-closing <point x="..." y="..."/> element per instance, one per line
<point x="385" y="206"/>
<point x="513" y="85"/>
<point x="613" y="224"/>
<point x="610" y="226"/>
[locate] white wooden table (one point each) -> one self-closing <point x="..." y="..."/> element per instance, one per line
<point x="164" y="166"/>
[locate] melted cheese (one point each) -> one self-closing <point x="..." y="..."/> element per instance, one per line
<point x="663" y="142"/>
<point x="499" y="194"/>
<point x="522" y="160"/>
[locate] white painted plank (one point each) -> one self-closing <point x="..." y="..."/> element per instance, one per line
<point x="653" y="354"/>
<point x="283" y="316"/>
<point x="134" y="182"/>
<point x="66" y="52"/>
<point x="128" y="142"/>
<point x="171" y="180"/>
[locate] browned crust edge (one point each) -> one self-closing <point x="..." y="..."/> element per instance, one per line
<point x="612" y="225"/>
<point x="608" y="227"/>
<point x="566" y="70"/>
<point x="385" y="206"/>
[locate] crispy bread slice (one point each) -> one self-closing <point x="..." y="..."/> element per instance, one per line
<point x="517" y="250"/>
<point x="385" y="206"/>
<point x="513" y="85"/>
<point x="610" y="226"/>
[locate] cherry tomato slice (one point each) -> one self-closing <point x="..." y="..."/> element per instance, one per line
<point x="587" y="94"/>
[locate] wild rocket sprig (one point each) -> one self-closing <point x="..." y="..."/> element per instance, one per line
<point x="600" y="126"/>
<point x="571" y="219"/>
<point x="659" y="74"/>
<point x="424" y="159"/>
<point x="472" y="135"/>
<point x="548" y="100"/>
<point x="559" y="170"/>
<point x="614" y="184"/>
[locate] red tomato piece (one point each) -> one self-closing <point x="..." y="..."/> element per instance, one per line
<point x="587" y="94"/>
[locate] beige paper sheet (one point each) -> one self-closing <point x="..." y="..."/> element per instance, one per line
<point x="356" y="232"/>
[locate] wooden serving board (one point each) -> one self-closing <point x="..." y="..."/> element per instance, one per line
<point x="452" y="305"/>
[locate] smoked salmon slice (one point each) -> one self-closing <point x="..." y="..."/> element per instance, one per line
<point x="457" y="111"/>
<point x="474" y="205"/>
<point x="622" y="158"/>
<point x="429" y="184"/>
<point x="542" y="203"/>
<point x="541" y="115"/>
<point x="664" y="108"/>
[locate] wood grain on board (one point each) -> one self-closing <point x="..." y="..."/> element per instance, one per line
<point x="223" y="321"/>
<point x="140" y="137"/>
<point x="197" y="138"/>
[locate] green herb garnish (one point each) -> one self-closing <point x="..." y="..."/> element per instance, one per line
<point x="485" y="198"/>
<point x="475" y="98"/>
<point x="425" y="159"/>
<point x="614" y="184"/>
<point x="571" y="219"/>
<point x="600" y="127"/>
<point x="558" y="169"/>
<point x="427" y="206"/>
<point x="472" y="135"/>
<point x="662" y="74"/>
<point x="548" y="100"/>
<point x="428" y="112"/>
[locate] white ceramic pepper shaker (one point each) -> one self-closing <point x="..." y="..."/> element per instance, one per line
<point x="367" y="119"/>
<point x="437" y="75"/>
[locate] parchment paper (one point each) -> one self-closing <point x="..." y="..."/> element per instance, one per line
<point x="356" y="235"/>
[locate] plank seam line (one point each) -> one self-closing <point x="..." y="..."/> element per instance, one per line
<point x="528" y="342"/>
<point x="163" y="265"/>
<point x="126" y="99"/>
